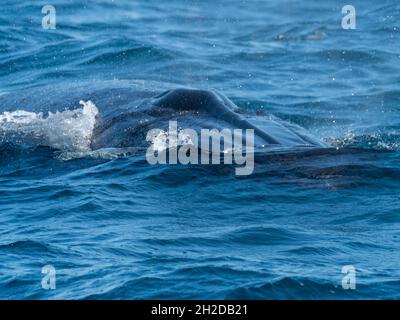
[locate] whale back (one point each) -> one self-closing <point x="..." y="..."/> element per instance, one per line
<point x="128" y="110"/>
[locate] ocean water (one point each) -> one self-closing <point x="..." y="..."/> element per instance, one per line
<point x="115" y="227"/>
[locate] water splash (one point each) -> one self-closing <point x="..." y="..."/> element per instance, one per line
<point x="101" y="154"/>
<point x="67" y="130"/>
<point x="389" y="141"/>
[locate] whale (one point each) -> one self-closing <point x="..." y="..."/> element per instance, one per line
<point x="127" y="110"/>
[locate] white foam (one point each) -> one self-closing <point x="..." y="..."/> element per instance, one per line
<point x="104" y="153"/>
<point x="67" y="130"/>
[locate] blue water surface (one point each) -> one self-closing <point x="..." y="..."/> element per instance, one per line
<point x="123" y="229"/>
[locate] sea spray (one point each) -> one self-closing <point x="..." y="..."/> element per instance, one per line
<point x="67" y="130"/>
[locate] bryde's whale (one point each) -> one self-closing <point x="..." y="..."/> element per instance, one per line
<point x="127" y="110"/>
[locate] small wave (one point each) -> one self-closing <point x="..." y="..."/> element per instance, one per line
<point x="263" y="235"/>
<point x="26" y="245"/>
<point x="104" y="153"/>
<point x="290" y="288"/>
<point x="313" y="36"/>
<point x="125" y="55"/>
<point x="356" y="56"/>
<point x="377" y="141"/>
<point x="67" y="130"/>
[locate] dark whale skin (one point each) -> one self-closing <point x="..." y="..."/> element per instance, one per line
<point x="129" y="109"/>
